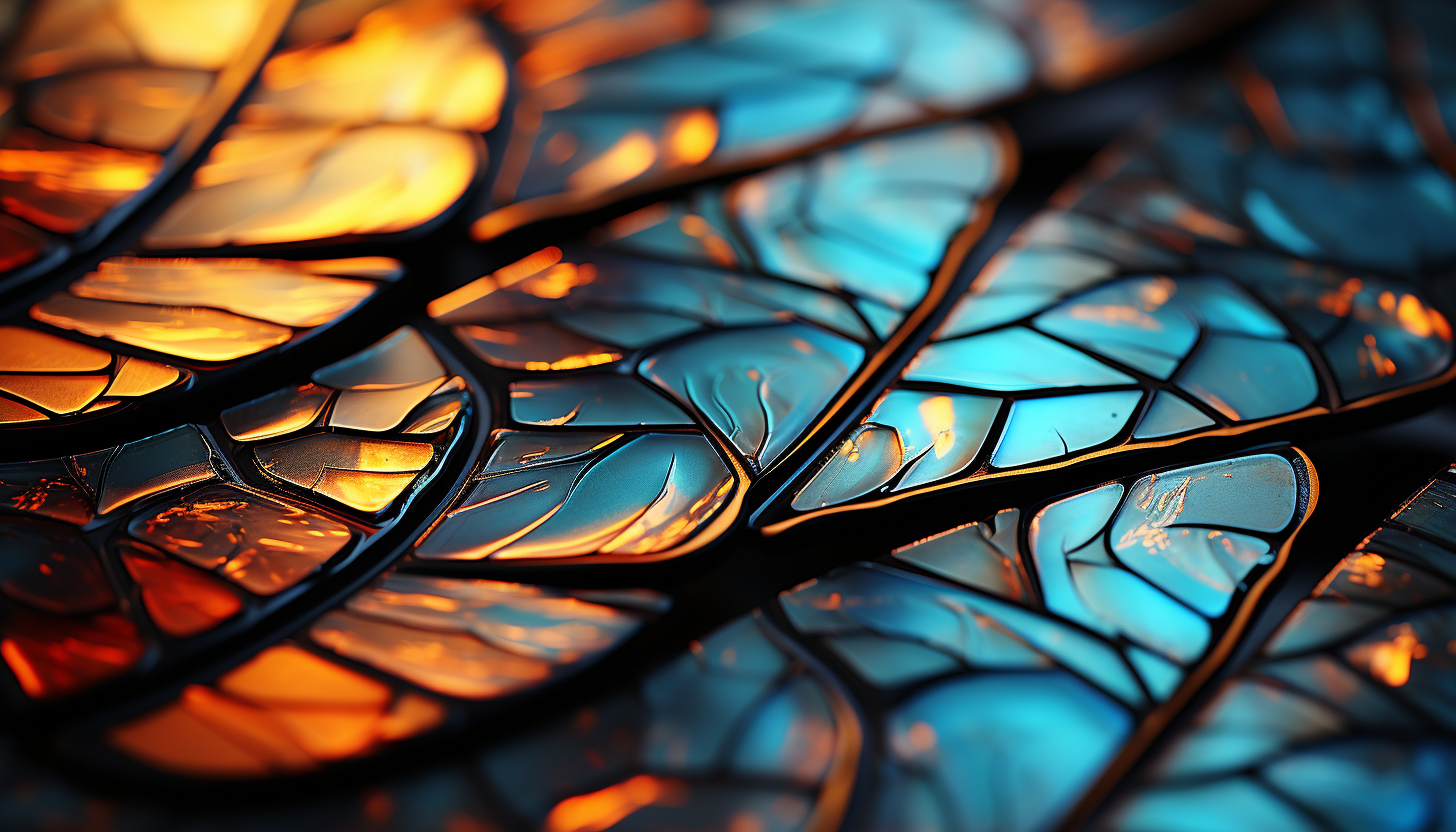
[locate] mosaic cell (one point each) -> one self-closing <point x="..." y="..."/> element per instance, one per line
<point x="122" y="91"/>
<point x="480" y="639"/>
<point x="617" y="98"/>
<point x="1020" y="672"/>
<point x="1208" y="269"/>
<point x="1343" y="719"/>
<point x="286" y="710"/>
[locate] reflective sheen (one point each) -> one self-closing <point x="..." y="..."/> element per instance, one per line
<point x="264" y="545"/>
<point x="285" y="710"/>
<point x="477" y="639"/>
<point x="52" y="377"/>
<point x="614" y="495"/>
<point x="1344" y="719"/>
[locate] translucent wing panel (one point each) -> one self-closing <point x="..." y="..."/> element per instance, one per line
<point x="369" y="133"/>
<point x="213" y="311"/>
<point x="159" y="547"/>
<point x="1014" y="660"/>
<point x="1203" y="278"/>
<point x="1343" y="720"/>
<point x="698" y="342"/>
<point x="618" y="97"/>
<point x="122" y="93"/>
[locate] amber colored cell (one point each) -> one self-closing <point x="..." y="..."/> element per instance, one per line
<point x="14" y="413"/>
<point x="401" y="359"/>
<point x="19" y="244"/>
<point x="65" y="186"/>
<point x="137" y="108"/>
<point x="449" y="663"/>
<point x="270" y="290"/>
<point x="187" y="332"/>
<point x="54" y="656"/>
<point x="173" y="739"/>
<point x="378" y="410"/>
<point x="45" y="488"/>
<point x="283" y="711"/>
<point x="29" y="351"/>
<point x="412" y="61"/>
<point x="366" y="474"/>
<point x="278" y="413"/>
<point x="607" y="807"/>
<point x="72" y="34"/>
<point x="263" y="544"/>
<point x="181" y="601"/>
<point x="533" y="345"/>
<point x="150" y="466"/>
<point x="289" y="676"/>
<point x="138" y="377"/>
<point x="436" y="414"/>
<point x="363" y="490"/>
<point x="281" y="185"/>
<point x="58" y="394"/>
<point x="49" y="567"/>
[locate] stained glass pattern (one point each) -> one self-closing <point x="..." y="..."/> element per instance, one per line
<point x="619" y="96"/>
<point x="738" y="730"/>
<point x="1015" y="673"/>
<point x="122" y="93"/>
<point x="731" y="312"/>
<point x="1343" y="720"/>
<point x="1200" y="279"/>
<point x="220" y="524"/>
<point x="370" y="133"/>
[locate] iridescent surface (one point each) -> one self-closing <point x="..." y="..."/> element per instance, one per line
<point x="736" y="731"/>
<point x="48" y="377"/>
<point x="617" y="96"/>
<point x="1277" y="229"/>
<point x="751" y="307"/>
<point x="376" y="390"/>
<point x="479" y="639"/>
<point x="352" y="136"/>
<point x="116" y="84"/>
<point x="1343" y="720"/>
<point x="1020" y="674"/>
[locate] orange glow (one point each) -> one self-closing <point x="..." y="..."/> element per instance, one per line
<point x="63" y="35"/>
<point x="559" y="280"/>
<point x="279" y="291"/>
<point x="29" y="351"/>
<point x="1419" y="319"/>
<point x="276" y="414"/>
<point x="138" y="377"/>
<point x="181" y="601"/>
<point x="1390" y="661"/>
<point x="281" y="185"/>
<point x="58" y="394"/>
<point x="524" y="16"/>
<point x="55" y="656"/>
<point x="366" y="474"/>
<point x="938" y="415"/>
<point x="500" y="278"/>
<point x="134" y="108"/>
<point x="188" y="332"/>
<point x="691" y="137"/>
<point x="1338" y="302"/>
<point x="624" y="161"/>
<point x="605" y="808"/>
<point x="589" y="43"/>
<point x="65" y="186"/>
<point x="413" y="61"/>
<point x="282" y="711"/>
<point x="639" y="220"/>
